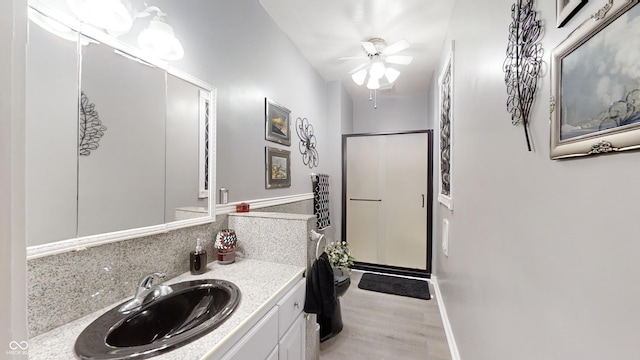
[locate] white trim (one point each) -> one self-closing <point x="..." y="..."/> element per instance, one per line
<point x="262" y="203"/>
<point x="85" y="242"/>
<point x="453" y="347"/>
<point x="446" y="200"/>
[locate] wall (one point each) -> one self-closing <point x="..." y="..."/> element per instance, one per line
<point x="542" y="254"/>
<point x="339" y="121"/>
<point x="394" y="113"/>
<point x="13" y="19"/>
<point x="237" y="47"/>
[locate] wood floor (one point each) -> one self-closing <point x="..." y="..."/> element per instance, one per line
<point x="379" y="326"/>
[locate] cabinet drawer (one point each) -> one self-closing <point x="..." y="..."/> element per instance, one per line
<point x="259" y="342"/>
<point x="290" y="306"/>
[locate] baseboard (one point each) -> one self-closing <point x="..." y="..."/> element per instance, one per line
<point x="388" y="269"/>
<point x="453" y="347"/>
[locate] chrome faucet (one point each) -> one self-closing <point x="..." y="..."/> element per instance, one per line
<point x="146" y="292"/>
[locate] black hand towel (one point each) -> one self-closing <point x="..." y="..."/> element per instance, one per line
<point x="321" y="292"/>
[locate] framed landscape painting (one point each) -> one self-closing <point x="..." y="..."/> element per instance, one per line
<point x="278" y="168"/>
<point x="277" y="123"/>
<point x="595" y="84"/>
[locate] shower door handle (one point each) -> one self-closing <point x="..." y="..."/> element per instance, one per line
<point x="423" y="200"/>
<point x="352" y="199"/>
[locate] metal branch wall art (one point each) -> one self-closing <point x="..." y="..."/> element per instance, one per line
<point x="523" y="62"/>
<point x="91" y="128"/>
<point x="307" y="145"/>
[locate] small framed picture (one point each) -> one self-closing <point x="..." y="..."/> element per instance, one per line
<point x="278" y="168"/>
<point x="565" y="9"/>
<point x="277" y="123"/>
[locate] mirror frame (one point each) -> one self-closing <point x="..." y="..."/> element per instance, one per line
<point x="84" y="242"/>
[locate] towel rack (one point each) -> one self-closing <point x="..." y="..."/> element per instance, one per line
<point x="316" y="236"/>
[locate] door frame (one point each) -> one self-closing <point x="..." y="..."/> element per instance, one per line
<point x="429" y="204"/>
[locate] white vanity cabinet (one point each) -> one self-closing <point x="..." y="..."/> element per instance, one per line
<point x="291" y="327"/>
<point x="279" y="335"/>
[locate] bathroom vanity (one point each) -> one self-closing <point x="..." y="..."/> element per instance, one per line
<point x="267" y="324"/>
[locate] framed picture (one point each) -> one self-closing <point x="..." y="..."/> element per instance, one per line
<point x="565" y="9"/>
<point x="445" y="83"/>
<point x="277" y="123"/>
<point x="278" y="168"/>
<point x="595" y="84"/>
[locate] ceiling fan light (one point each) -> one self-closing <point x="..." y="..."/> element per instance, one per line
<point x="377" y="70"/>
<point x="158" y="38"/>
<point x="358" y="77"/>
<point x="391" y="74"/>
<point x="373" y="83"/>
<point x="105" y="14"/>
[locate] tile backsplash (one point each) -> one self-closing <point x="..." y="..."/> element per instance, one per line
<point x="67" y="286"/>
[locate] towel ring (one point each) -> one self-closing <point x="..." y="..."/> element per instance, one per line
<point x="318" y="237"/>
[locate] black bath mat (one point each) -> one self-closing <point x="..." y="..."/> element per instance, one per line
<point x="395" y="285"/>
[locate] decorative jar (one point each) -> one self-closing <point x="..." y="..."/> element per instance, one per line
<point x="225" y="245"/>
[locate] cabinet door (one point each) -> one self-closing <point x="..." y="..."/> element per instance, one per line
<point x="259" y="341"/>
<point x="290" y="306"/>
<point x="292" y="344"/>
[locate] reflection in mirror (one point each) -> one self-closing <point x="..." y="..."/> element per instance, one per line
<point x="51" y="130"/>
<point x="121" y="182"/>
<point x="116" y="146"/>
<point x="187" y="127"/>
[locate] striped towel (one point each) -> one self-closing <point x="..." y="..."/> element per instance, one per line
<point x="321" y="200"/>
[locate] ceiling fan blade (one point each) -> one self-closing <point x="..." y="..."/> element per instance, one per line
<point x="358" y="68"/>
<point x="399" y="59"/>
<point x="369" y="47"/>
<point x="396" y="47"/>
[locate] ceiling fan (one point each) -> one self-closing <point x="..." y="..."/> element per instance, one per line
<point x="380" y="55"/>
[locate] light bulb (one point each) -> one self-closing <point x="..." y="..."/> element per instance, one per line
<point x="377" y="69"/>
<point x="373" y="83"/>
<point x="359" y="77"/>
<point x="391" y="74"/>
<point x="158" y="39"/>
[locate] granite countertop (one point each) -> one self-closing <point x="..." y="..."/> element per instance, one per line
<point x="261" y="283"/>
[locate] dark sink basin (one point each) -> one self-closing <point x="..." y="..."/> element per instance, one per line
<point x="193" y="309"/>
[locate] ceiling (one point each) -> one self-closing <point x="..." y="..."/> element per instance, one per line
<point x="327" y="30"/>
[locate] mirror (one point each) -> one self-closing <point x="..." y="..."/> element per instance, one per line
<point x="116" y="144"/>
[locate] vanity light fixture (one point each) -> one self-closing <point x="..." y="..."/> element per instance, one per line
<point x="117" y="16"/>
<point x="111" y="15"/>
<point x="158" y="38"/>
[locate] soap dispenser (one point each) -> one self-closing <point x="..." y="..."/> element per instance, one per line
<point x="198" y="259"/>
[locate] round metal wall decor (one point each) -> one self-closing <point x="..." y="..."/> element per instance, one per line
<point x="307" y="145"/>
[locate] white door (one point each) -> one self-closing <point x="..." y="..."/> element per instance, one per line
<point x="386" y="199"/>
